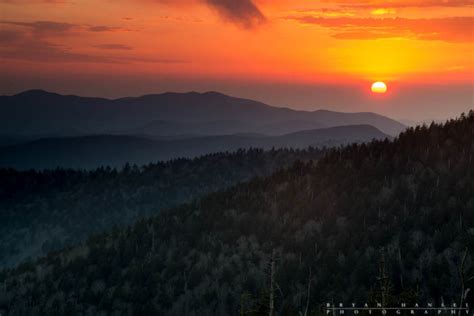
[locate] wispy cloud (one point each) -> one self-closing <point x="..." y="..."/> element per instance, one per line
<point x="113" y="46"/>
<point x="325" y="12"/>
<point x="244" y="13"/>
<point x="451" y="29"/>
<point x="45" y="27"/>
<point x="31" y="1"/>
<point x="401" y="3"/>
<point x="104" y="28"/>
<point x="53" y="28"/>
<point x="43" y="51"/>
<point x="38" y="42"/>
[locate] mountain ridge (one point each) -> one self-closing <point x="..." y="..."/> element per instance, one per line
<point x="42" y="112"/>
<point x="115" y="150"/>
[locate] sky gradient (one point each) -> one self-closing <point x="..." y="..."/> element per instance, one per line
<point x="300" y="54"/>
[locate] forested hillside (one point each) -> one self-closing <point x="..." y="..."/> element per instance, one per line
<point x="42" y="211"/>
<point x="399" y="213"/>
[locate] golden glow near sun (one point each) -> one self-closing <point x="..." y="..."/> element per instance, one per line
<point x="379" y="87"/>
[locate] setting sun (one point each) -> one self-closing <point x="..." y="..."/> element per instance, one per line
<point x="379" y="87"/>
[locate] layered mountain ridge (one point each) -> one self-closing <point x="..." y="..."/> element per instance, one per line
<point x="42" y="114"/>
<point x="320" y="231"/>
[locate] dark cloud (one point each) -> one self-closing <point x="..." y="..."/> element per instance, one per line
<point x="451" y="29"/>
<point x="242" y="12"/>
<point x="113" y="46"/>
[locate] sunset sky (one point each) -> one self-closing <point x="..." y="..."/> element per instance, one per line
<point x="296" y="53"/>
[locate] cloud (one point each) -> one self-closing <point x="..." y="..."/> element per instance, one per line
<point x="401" y="3"/>
<point x="242" y="12"/>
<point x="35" y="42"/>
<point x="326" y="12"/>
<point x="18" y="45"/>
<point x="181" y="18"/>
<point x="37" y="50"/>
<point x="451" y="29"/>
<point x="52" y="28"/>
<point x="31" y="1"/>
<point x="113" y="46"/>
<point x="45" y="27"/>
<point x="47" y="52"/>
<point x="104" y="28"/>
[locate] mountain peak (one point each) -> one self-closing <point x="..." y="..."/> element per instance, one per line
<point x="35" y="93"/>
<point x="214" y="93"/>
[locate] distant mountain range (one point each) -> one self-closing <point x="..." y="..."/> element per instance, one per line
<point x="35" y="114"/>
<point x="116" y="150"/>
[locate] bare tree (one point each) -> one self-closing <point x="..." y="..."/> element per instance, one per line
<point x="308" y="294"/>
<point x="401" y="265"/>
<point x="383" y="280"/>
<point x="462" y="276"/>
<point x="271" y="303"/>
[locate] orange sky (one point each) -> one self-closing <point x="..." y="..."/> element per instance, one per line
<point x="403" y="42"/>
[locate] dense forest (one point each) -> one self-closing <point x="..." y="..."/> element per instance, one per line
<point x="41" y="211"/>
<point x="378" y="222"/>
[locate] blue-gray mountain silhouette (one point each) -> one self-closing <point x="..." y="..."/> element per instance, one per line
<point x="116" y="150"/>
<point x="38" y="113"/>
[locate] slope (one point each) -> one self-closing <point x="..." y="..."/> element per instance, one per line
<point x="48" y="210"/>
<point x="316" y="231"/>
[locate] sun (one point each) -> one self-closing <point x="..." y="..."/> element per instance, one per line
<point x="379" y="87"/>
